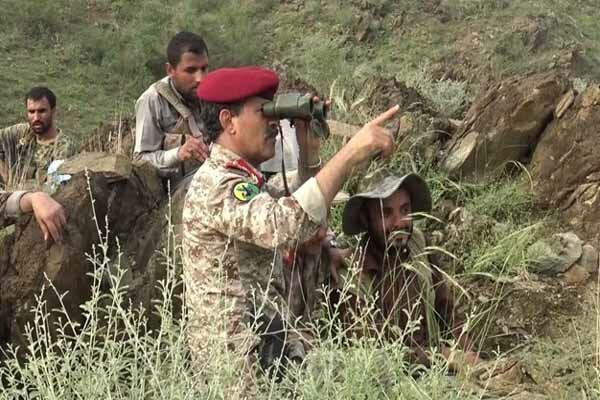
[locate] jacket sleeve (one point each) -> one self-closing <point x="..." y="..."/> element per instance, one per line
<point x="9" y="207"/>
<point x="149" y="136"/>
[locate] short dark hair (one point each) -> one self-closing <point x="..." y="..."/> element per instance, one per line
<point x="209" y="112"/>
<point x="38" y="93"/>
<point x="184" y="42"/>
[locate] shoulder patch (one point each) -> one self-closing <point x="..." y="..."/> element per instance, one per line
<point x="245" y="191"/>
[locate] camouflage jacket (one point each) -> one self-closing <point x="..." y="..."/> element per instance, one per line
<point x="235" y="229"/>
<point x="409" y="289"/>
<point x="24" y="157"/>
<point x="9" y="207"/>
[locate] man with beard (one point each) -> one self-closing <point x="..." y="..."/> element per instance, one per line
<point x="397" y="277"/>
<point x="237" y="227"/>
<point x="27" y="149"/>
<point x="49" y="215"/>
<point x="168" y="131"/>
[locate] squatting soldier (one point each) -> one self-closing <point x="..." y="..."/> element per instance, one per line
<point x="395" y="270"/>
<point x="49" y="215"/>
<point x="27" y="149"/>
<point x="168" y="129"/>
<point x="237" y="227"/>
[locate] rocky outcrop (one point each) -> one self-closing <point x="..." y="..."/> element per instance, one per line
<point x="503" y="125"/>
<point x="565" y="166"/>
<point x="124" y="195"/>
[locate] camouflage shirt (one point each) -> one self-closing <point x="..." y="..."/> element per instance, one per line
<point x="25" y="157"/>
<point x="235" y="229"/>
<point x="9" y="207"/>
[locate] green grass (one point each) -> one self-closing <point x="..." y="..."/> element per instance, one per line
<point x="100" y="55"/>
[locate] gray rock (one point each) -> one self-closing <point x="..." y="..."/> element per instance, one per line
<point x="589" y="259"/>
<point x="555" y="255"/>
<point x="114" y="167"/>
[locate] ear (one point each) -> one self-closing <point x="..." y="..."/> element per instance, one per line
<point x="226" y="120"/>
<point x="169" y="69"/>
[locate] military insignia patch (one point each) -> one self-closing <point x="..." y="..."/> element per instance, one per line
<point x="245" y="191"/>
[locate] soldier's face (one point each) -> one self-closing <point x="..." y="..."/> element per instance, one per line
<point x="188" y="73"/>
<point x="389" y="220"/>
<point x="39" y="115"/>
<point x="255" y="134"/>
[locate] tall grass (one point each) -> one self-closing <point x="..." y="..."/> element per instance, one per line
<point x="114" y="354"/>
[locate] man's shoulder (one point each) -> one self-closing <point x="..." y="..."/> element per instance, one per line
<point x="215" y="183"/>
<point x="20" y="129"/>
<point x="150" y="94"/>
<point x="214" y="176"/>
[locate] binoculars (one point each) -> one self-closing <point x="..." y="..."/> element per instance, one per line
<point x="296" y="105"/>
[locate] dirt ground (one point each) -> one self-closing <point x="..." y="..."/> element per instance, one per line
<point x="552" y="328"/>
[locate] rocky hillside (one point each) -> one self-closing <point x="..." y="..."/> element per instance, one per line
<point x="100" y="55"/>
<point x="499" y="102"/>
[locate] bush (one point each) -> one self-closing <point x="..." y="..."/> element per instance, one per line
<point x="113" y="354"/>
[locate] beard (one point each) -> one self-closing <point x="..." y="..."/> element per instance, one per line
<point x="398" y="239"/>
<point x="190" y="97"/>
<point x="395" y="241"/>
<point x="40" y="128"/>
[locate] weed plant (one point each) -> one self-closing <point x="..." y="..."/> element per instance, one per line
<point x="114" y="354"/>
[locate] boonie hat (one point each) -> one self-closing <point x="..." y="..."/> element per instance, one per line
<point x="381" y="185"/>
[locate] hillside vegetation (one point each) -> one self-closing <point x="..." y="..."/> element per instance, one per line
<point x="99" y="55"/>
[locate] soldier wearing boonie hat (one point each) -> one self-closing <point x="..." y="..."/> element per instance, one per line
<point x="236" y="226"/>
<point x="395" y="269"/>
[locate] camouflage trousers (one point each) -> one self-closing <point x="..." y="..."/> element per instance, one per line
<point x="221" y="326"/>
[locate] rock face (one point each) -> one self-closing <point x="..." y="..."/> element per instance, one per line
<point x="556" y="255"/>
<point x="122" y="201"/>
<point x="389" y="92"/>
<point x="503" y="125"/>
<point x="565" y="166"/>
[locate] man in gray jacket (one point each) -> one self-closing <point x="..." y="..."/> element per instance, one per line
<point x="168" y="130"/>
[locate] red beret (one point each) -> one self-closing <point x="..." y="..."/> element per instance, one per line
<point x="232" y="85"/>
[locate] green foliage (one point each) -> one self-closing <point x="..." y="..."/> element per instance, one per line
<point x="112" y="353"/>
<point x="500" y="224"/>
<point x="449" y="97"/>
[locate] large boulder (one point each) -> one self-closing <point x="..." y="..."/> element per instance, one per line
<point x="503" y="124"/>
<point x="565" y="166"/>
<point x="124" y="195"/>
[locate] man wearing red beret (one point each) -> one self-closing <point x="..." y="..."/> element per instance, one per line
<point x="236" y="225"/>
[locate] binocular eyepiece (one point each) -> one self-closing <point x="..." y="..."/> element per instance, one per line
<point x="296" y="105"/>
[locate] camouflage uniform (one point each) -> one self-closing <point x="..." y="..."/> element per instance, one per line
<point x="25" y="157"/>
<point x="9" y="206"/>
<point x="236" y="228"/>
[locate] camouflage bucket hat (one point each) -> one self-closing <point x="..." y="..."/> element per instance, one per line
<point x="381" y="186"/>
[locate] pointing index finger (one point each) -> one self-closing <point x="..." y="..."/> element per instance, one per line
<point x="389" y="114"/>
